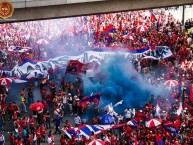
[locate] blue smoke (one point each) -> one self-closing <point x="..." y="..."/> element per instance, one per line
<point x="118" y="80"/>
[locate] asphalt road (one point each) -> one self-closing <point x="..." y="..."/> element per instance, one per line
<point x="14" y="96"/>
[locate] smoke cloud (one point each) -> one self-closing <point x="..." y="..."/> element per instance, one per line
<point x="118" y="80"/>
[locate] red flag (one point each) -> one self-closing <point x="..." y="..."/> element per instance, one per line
<point x="177" y="124"/>
<point x="158" y="138"/>
<point x="89" y="99"/>
<point x="191" y="92"/>
<point x="153" y="18"/>
<point x="136" y="142"/>
<point x="75" y="67"/>
<point x="108" y="29"/>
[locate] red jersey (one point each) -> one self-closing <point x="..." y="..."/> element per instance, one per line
<point x="12" y="138"/>
<point x="72" y="141"/>
<point x="16" y="141"/>
<point x="38" y="133"/>
<point x="20" y="143"/>
<point x="14" y="117"/>
<point x="32" y="123"/>
<point x="24" y="123"/>
<point x="62" y="141"/>
<point x="42" y="130"/>
<point x="20" y="131"/>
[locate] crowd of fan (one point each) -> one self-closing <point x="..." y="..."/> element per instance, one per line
<point x="27" y="34"/>
<point x="168" y="32"/>
<point x="86" y="32"/>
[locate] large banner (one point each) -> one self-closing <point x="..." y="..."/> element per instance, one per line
<point x="85" y="131"/>
<point x="160" y="52"/>
<point x="31" y="69"/>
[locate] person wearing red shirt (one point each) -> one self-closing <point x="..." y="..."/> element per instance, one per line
<point x="113" y="140"/>
<point x="11" y="139"/>
<point x="95" y="121"/>
<point x="20" y="131"/>
<point x="51" y="73"/>
<point x="72" y="140"/>
<point x="67" y="124"/>
<point x="32" y="124"/>
<point x="43" y="132"/>
<point x="15" y="141"/>
<point x="14" y="116"/>
<point x="19" y="141"/>
<point x="4" y="97"/>
<point x="24" y="123"/>
<point x="52" y="86"/>
<point x="43" y="120"/>
<point x="16" y="109"/>
<point x="62" y="140"/>
<point x="17" y="123"/>
<point x="38" y="134"/>
<point x="29" y="140"/>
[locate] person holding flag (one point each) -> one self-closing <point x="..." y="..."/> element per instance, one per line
<point x="119" y="119"/>
<point x="128" y="114"/>
<point x="109" y="108"/>
<point x="158" y="139"/>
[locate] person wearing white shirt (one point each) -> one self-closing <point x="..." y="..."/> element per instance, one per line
<point x="106" y="138"/>
<point x="77" y="120"/>
<point x="2" y="139"/>
<point x="128" y="114"/>
<point x="49" y="140"/>
<point x="64" y="99"/>
<point x="119" y="119"/>
<point x="34" y="139"/>
<point x="189" y="40"/>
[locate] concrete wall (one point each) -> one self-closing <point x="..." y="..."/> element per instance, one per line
<point x="39" y="3"/>
<point x="77" y="9"/>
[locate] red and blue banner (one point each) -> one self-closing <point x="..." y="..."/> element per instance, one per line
<point x="171" y="129"/>
<point x="108" y="29"/>
<point x="132" y="123"/>
<point x="153" y="17"/>
<point x="85" y="131"/>
<point x="76" y="68"/>
<point x="90" y="99"/>
<point x="149" y="52"/>
<point x="28" y="60"/>
<point x="142" y="50"/>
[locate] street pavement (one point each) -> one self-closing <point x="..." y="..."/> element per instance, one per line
<point x="14" y="96"/>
